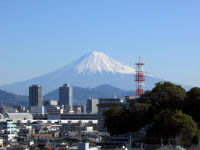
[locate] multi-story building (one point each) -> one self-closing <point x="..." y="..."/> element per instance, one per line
<point x="129" y="100"/>
<point x="79" y="109"/>
<point x="83" y="109"/>
<point x="82" y="116"/>
<point x="37" y="110"/>
<point x="54" y="112"/>
<point x="92" y="105"/>
<point x="50" y="102"/>
<point x="8" y="126"/>
<point x="35" y="95"/>
<point x="105" y="104"/>
<point x="21" y="108"/>
<point x="65" y="97"/>
<point x="36" y="100"/>
<point x="8" y="130"/>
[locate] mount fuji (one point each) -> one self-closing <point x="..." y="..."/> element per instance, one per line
<point x="91" y="70"/>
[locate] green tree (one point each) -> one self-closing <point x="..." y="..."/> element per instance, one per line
<point x="166" y="95"/>
<point x="139" y="116"/>
<point x="118" y="120"/>
<point x="192" y="103"/>
<point x="145" y="98"/>
<point x="174" y="125"/>
<point x="170" y="123"/>
<point x="113" y="120"/>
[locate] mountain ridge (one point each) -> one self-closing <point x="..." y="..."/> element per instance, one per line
<point x="90" y="70"/>
<point x="80" y="95"/>
<point x="9" y="99"/>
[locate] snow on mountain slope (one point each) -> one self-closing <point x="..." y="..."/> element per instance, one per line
<point x="92" y="63"/>
<point x="99" y="62"/>
<point x="91" y="70"/>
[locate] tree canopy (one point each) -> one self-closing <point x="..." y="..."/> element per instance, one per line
<point x="162" y="108"/>
<point x="192" y="103"/>
<point x="166" y="95"/>
<point x="174" y="125"/>
<point x="119" y="120"/>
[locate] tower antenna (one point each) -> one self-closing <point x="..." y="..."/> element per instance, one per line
<point x="139" y="78"/>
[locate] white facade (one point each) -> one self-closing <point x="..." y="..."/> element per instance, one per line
<point x="20" y="116"/>
<point x="88" y="129"/>
<point x="1" y="142"/>
<point x="51" y="102"/>
<point x="92" y="105"/>
<point x="37" y="110"/>
<point x="83" y="146"/>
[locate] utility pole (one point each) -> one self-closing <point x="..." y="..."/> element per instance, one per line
<point x="161" y="141"/>
<point x="130" y="142"/>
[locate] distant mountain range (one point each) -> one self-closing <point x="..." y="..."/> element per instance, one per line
<point x="93" y="75"/>
<point x="80" y="95"/>
<point x="10" y="99"/>
<point x="91" y="70"/>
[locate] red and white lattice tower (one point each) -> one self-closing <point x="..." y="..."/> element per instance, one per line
<point x="139" y="78"/>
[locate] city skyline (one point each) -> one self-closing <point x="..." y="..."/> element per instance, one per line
<point x="39" y="37"/>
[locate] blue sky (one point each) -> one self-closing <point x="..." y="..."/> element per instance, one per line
<point x="37" y="37"/>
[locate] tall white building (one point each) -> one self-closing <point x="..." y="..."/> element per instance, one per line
<point x="92" y="105"/>
<point x="105" y="104"/>
<point x="65" y="97"/>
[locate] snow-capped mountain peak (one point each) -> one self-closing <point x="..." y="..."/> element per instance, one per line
<point x="91" y="70"/>
<point x="94" y="62"/>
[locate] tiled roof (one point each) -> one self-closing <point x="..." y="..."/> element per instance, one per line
<point x="43" y="135"/>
